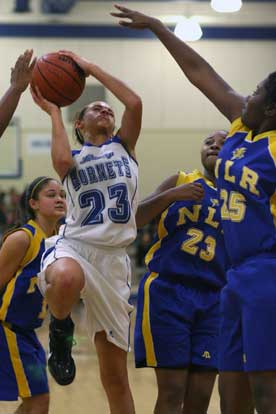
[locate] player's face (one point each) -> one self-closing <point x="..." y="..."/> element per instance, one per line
<point x="100" y="117"/>
<point x="253" y="113"/>
<point x="51" y="202"/>
<point x="210" y="149"/>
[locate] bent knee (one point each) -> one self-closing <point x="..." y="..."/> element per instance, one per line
<point x="65" y="278"/>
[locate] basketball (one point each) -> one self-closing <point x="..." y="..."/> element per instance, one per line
<point x="59" y="78"/>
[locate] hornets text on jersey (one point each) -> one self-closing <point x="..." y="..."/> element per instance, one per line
<point x="101" y="194"/>
<point x="246" y="179"/>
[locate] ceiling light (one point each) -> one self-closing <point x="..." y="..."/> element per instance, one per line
<point x="226" y="6"/>
<point x="188" y="29"/>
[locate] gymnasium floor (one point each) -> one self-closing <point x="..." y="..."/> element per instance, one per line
<point x="85" y="395"/>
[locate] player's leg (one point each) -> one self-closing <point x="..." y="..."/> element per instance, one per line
<point x="38" y="404"/>
<point x="235" y="393"/>
<point x="64" y="281"/>
<point x="199" y="389"/>
<point x="171" y="385"/>
<point x="61" y="339"/>
<point x="114" y="375"/>
<point x="258" y="290"/>
<point x="264" y="390"/>
<point x="234" y="387"/>
<point x="204" y="350"/>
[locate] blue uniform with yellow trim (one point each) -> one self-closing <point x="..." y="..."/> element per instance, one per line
<point x="22" y="309"/>
<point x="178" y="300"/>
<point x="246" y="179"/>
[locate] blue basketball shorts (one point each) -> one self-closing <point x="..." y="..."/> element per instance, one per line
<point x="247" y="340"/>
<point x="176" y="324"/>
<point x="22" y="365"/>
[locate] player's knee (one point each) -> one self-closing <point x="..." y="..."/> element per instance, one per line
<point x="66" y="281"/>
<point x="265" y="399"/>
<point x="198" y="402"/>
<point x="172" y="396"/>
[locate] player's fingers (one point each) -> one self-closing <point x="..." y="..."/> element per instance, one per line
<point x="33" y="64"/>
<point x="38" y="93"/>
<point x="28" y="57"/>
<point x="119" y="14"/>
<point x="122" y="8"/>
<point x="126" y="24"/>
<point x="34" y="96"/>
<point x="198" y="185"/>
<point x="19" y="60"/>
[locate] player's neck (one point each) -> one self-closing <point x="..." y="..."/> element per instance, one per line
<point x="97" y="139"/>
<point x="47" y="226"/>
<point x="268" y="125"/>
<point x="210" y="176"/>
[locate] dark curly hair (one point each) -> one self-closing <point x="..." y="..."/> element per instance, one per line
<point x="270" y="87"/>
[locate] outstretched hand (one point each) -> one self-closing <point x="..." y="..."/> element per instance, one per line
<point x="137" y="20"/>
<point x="21" y="73"/>
<point x="45" y="105"/>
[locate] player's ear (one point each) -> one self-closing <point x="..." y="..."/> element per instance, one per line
<point x="33" y="204"/>
<point x="270" y="110"/>
<point x="79" y="123"/>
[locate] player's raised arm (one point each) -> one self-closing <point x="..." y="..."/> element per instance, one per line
<point x="197" y="70"/>
<point x="20" y="78"/>
<point x="132" y="117"/>
<point x="60" y="149"/>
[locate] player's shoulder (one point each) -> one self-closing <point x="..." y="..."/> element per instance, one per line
<point x="237" y="126"/>
<point x="188" y="177"/>
<point x="18" y="239"/>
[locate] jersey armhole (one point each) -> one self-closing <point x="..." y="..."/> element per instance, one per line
<point x="181" y="179"/>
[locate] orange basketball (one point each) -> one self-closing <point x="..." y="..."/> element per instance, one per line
<point x="59" y="78"/>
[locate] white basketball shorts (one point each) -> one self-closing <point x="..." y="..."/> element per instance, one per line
<point x="107" y="287"/>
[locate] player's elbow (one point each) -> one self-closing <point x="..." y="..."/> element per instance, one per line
<point x="62" y="166"/>
<point x="135" y="103"/>
<point x="140" y="219"/>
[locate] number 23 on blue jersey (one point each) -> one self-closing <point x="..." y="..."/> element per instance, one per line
<point x="96" y="201"/>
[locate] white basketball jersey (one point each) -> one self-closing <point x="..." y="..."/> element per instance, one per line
<point x="102" y="195"/>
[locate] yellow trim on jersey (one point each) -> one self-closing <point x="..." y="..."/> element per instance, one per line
<point x="22" y="383"/>
<point x="236" y="126"/>
<point x="272" y="144"/>
<point x="184" y="178"/>
<point x="31" y="254"/>
<point x="162" y="232"/>
<point x="273" y="207"/>
<point x="146" y="328"/>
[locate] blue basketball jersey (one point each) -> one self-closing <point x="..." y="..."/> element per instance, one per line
<point x="190" y="242"/>
<point x="246" y="179"/>
<point x="21" y="303"/>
